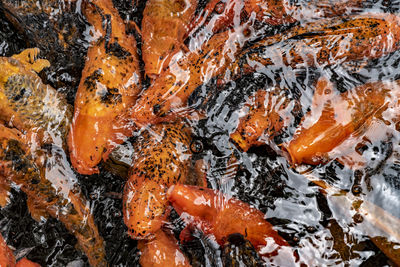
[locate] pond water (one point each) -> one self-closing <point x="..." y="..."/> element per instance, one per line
<point x="336" y="207"/>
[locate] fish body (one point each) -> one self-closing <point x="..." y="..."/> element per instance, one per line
<point x="263" y="120"/>
<point x="159" y="40"/>
<point x="27" y="103"/>
<point x="24" y="262"/>
<point x="314" y="44"/>
<point x="218" y="15"/>
<point x="108" y="88"/>
<point x="162" y="159"/>
<point x="219" y="215"/>
<point x="162" y="250"/>
<point x="336" y="117"/>
<point x="49" y="183"/>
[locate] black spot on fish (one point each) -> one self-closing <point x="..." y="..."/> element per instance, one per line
<point x="111" y="96"/>
<point x="16" y="155"/>
<point x="17" y="88"/>
<point x="20" y="95"/>
<point x="117" y="50"/>
<point x="156" y="108"/>
<point x="90" y="81"/>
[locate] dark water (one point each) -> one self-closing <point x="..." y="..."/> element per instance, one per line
<point x="323" y="227"/>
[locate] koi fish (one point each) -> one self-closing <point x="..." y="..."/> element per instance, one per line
<point x="171" y="90"/>
<point x="336" y="117"/>
<point x="164" y="27"/>
<point x="162" y="250"/>
<point x="319" y="9"/>
<point x="322" y="43"/>
<point x="220" y="216"/>
<point x="50" y="185"/>
<point x="219" y="15"/>
<point x="325" y="42"/>
<point x="109" y="85"/>
<point x="161" y="160"/>
<point x="29" y="105"/>
<point x="5" y="186"/>
<point x="264" y="119"/>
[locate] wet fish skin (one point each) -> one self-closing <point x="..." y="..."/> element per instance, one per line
<point x="263" y="119"/>
<point x="162" y="159"/>
<point x="162" y="251"/>
<point x="159" y="41"/>
<point x="57" y="29"/>
<point x="59" y="196"/>
<point x="220" y="215"/>
<point x="27" y="103"/>
<point x="109" y="87"/>
<point x="341" y="116"/>
<point x="324" y="43"/>
<point x="316" y="44"/>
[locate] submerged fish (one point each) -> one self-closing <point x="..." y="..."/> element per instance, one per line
<point x="27" y="103"/>
<point x="162" y="160"/>
<point x="108" y="88"/>
<point x="263" y="120"/>
<point x="39" y="112"/>
<point x="162" y="251"/>
<point x="336" y="117"/>
<point x="159" y="41"/>
<point x="315" y="44"/>
<point x="57" y="29"/>
<point x="49" y="183"/>
<point x="219" y="215"/>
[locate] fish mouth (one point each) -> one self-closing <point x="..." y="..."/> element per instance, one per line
<point x="84" y="167"/>
<point x="81" y="166"/>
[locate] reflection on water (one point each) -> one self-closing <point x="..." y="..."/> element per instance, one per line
<point x="271" y="80"/>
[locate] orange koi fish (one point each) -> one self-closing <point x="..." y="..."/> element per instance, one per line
<point x="162" y="160"/>
<point x="221" y="14"/>
<point x="320" y="43"/>
<point x="29" y="105"/>
<point x="162" y="250"/>
<point x="164" y="28"/>
<point x="109" y="85"/>
<point x="326" y="42"/>
<point x="335" y="117"/>
<point x="318" y="9"/>
<point x="263" y="120"/>
<point x="218" y="215"/>
<point x="49" y="192"/>
<point x="171" y="90"/>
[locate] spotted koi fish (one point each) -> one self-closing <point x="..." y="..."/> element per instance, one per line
<point x="162" y="160"/>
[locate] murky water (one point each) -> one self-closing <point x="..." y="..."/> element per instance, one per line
<point x="342" y="209"/>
